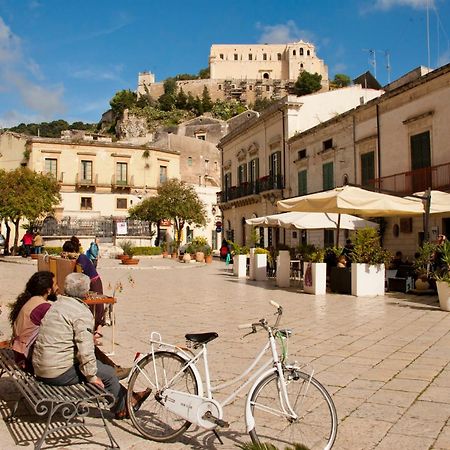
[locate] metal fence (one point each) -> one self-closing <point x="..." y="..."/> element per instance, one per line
<point x="103" y="228"/>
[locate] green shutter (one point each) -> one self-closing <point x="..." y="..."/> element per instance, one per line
<point x="367" y="168"/>
<point x="302" y="183"/>
<point x="420" y="151"/>
<point x="328" y="179"/>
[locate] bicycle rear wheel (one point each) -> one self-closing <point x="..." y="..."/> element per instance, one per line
<point x="316" y="424"/>
<point x="152" y="419"/>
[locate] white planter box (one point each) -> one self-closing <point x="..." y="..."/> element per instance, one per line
<point x="240" y="266"/>
<point x="260" y="266"/>
<point x="443" y="289"/>
<point x="283" y="269"/>
<point x="367" y="280"/>
<point x="315" y="278"/>
<point x="251" y="269"/>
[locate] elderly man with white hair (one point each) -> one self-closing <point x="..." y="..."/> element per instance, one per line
<point x="64" y="350"/>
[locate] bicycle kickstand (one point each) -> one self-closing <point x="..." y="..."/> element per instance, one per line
<point x="217" y="436"/>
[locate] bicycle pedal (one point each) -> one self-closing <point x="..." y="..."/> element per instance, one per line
<point x="219" y="422"/>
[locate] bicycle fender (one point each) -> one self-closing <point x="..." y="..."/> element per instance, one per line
<point x="182" y="355"/>
<point x="249" y="419"/>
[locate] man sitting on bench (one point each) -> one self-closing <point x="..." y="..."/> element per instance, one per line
<point x="64" y="350"/>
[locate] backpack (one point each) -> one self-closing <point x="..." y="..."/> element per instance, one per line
<point x="223" y="251"/>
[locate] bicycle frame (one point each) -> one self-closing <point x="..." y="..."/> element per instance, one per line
<point x="262" y="372"/>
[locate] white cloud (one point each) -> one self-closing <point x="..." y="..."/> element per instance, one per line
<point x="18" y="75"/>
<point x="283" y="33"/>
<point x="389" y="4"/>
<point x="96" y="74"/>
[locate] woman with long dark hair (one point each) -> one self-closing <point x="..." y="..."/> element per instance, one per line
<point x="27" y="313"/>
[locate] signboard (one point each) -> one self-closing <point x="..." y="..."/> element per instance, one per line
<point x="121" y="228"/>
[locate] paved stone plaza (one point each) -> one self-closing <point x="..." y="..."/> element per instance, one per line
<point x="385" y="360"/>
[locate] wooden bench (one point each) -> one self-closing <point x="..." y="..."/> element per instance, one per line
<point x="69" y="402"/>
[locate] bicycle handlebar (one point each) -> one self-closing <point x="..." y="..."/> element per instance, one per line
<point x="262" y="322"/>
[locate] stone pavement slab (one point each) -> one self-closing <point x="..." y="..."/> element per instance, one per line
<point x="384" y="359"/>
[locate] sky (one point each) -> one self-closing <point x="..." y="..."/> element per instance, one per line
<point x="65" y="59"/>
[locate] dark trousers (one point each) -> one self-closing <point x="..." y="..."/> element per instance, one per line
<point x="104" y="372"/>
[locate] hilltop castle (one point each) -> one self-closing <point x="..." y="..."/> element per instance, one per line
<point x="248" y="72"/>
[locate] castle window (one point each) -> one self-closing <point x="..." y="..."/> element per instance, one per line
<point x="267" y="88"/>
<point x="250" y="87"/>
<point x="189" y="161"/>
<point x="250" y="57"/>
<point x="219" y="87"/>
<point x="266" y="76"/>
<point x="221" y="56"/>
<point x="235" y="56"/>
<point x="301" y="65"/>
<point x="264" y="56"/>
<point x="301" y="51"/>
<point x="279" y="56"/>
<point x="308" y="52"/>
<point x="294" y="52"/>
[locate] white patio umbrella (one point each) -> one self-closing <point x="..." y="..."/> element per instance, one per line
<point x="439" y="201"/>
<point x="311" y="221"/>
<point x="353" y="200"/>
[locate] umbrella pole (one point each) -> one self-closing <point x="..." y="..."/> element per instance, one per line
<point x="426" y="217"/>
<point x="338" y="229"/>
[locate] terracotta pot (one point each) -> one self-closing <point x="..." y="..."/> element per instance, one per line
<point x="122" y="257"/>
<point x="34" y="256"/>
<point x="130" y="261"/>
<point x="208" y="259"/>
<point x="174" y="255"/>
<point x="186" y="257"/>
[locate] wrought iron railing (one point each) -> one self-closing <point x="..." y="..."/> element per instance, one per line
<point x="263" y="184"/>
<point x="105" y="227"/>
<point x="434" y="177"/>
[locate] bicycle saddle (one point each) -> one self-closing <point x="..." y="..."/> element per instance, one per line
<point x="201" y="338"/>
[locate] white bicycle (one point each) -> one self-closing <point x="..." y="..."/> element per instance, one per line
<point x="284" y="406"/>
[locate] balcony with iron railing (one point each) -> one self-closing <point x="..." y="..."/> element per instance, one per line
<point x="263" y="184"/>
<point x="86" y="182"/>
<point x="434" y="177"/>
<point x="122" y="182"/>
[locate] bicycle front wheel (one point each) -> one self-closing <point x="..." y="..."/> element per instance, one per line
<point x="152" y="419"/>
<point x="316" y="423"/>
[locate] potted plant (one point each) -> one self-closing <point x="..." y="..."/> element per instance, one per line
<point x="165" y="253"/>
<point x="340" y="277"/>
<point x="207" y="250"/>
<point x="199" y="243"/>
<point x="423" y="265"/>
<point x="128" y="249"/>
<point x="258" y="263"/>
<point x="369" y="260"/>
<point x="442" y="274"/>
<point x="315" y="271"/>
<point x="239" y="260"/>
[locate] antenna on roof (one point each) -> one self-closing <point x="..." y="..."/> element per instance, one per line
<point x="372" y="59"/>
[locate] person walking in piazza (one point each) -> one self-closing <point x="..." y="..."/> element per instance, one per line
<point x="27" y="242"/>
<point x="93" y="251"/>
<point x="38" y="243"/>
<point x="27" y="313"/>
<point x="64" y="351"/>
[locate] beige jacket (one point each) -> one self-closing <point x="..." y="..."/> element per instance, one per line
<point x="65" y="338"/>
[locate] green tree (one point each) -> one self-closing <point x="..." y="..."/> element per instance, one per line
<point x="204" y="73"/>
<point x="307" y="83"/>
<point x="26" y="195"/>
<point x="225" y="110"/>
<point x="341" y="80"/>
<point x="181" y="99"/>
<point x="122" y="100"/>
<point x="180" y="203"/>
<point x="148" y="210"/>
<point x="262" y="103"/>
<point x="167" y="100"/>
<point x="170" y="86"/>
<point x="207" y="104"/>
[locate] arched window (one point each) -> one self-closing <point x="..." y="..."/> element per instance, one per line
<point x="266" y="76"/>
<point x="301" y="51"/>
<point x="301" y="65"/>
<point x="308" y="52"/>
<point x="294" y="52"/>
